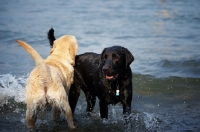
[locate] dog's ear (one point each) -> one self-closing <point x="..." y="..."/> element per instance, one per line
<point x="101" y="57"/>
<point x="129" y="57"/>
<point x="50" y="36"/>
<point x="72" y="52"/>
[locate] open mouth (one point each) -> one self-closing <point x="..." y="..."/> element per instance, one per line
<point x="113" y="77"/>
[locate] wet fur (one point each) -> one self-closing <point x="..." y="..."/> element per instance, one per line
<point x="91" y="75"/>
<point x="49" y="82"/>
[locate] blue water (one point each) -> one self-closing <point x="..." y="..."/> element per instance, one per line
<point x="163" y="36"/>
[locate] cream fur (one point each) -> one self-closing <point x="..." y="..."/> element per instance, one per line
<point x="49" y="82"/>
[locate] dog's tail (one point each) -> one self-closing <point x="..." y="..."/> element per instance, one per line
<point x="38" y="59"/>
<point x="43" y="69"/>
<point x="51" y="37"/>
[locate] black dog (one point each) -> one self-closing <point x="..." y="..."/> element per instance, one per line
<point x="107" y="76"/>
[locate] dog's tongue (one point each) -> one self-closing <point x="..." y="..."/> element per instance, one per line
<point x="109" y="77"/>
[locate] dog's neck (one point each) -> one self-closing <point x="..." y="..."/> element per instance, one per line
<point x="114" y="86"/>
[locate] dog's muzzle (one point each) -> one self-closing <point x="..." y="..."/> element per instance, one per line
<point x="109" y="74"/>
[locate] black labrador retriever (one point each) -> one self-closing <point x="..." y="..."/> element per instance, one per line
<point x="107" y="75"/>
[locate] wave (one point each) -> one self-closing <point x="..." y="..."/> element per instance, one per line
<point x="184" y="63"/>
<point x="12" y="87"/>
<point x="169" y="68"/>
<point x="185" y="68"/>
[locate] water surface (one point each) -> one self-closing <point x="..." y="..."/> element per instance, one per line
<point x="163" y="36"/>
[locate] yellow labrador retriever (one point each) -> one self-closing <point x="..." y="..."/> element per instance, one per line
<point x="50" y="81"/>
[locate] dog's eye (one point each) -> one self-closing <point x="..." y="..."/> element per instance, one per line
<point x="115" y="57"/>
<point x="105" y="57"/>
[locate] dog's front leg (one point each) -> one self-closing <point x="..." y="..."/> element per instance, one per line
<point x="91" y="100"/>
<point x="126" y="101"/>
<point x="103" y="109"/>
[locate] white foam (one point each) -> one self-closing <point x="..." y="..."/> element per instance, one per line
<point x="151" y="121"/>
<point x="12" y="87"/>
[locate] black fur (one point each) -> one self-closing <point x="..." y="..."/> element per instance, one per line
<point x="50" y="36"/>
<point x="100" y="75"/>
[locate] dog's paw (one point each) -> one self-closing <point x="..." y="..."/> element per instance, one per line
<point x="71" y="125"/>
<point x="31" y="130"/>
<point x="88" y="115"/>
<point x="127" y="121"/>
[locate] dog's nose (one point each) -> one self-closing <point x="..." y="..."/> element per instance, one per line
<point x="105" y="69"/>
<point x="107" y="66"/>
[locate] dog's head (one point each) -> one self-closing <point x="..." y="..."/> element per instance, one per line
<point x="114" y="61"/>
<point x="65" y="47"/>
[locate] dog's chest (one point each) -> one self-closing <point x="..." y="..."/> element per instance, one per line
<point x="111" y="93"/>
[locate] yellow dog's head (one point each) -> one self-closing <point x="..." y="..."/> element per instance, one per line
<point x="65" y="47"/>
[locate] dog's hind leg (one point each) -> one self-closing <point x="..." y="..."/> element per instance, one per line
<point x="67" y="112"/>
<point x="74" y="94"/>
<point x="75" y="90"/>
<point x="59" y="98"/>
<point x="31" y="116"/>
<point x="56" y="114"/>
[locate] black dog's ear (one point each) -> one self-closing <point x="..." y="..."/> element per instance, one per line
<point x="129" y="57"/>
<point x="50" y="36"/>
<point x="101" y="56"/>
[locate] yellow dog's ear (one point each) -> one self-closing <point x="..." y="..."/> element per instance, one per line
<point x="51" y="51"/>
<point x="72" y="51"/>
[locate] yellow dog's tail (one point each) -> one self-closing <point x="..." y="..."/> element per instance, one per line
<point x="43" y="68"/>
<point x="38" y="59"/>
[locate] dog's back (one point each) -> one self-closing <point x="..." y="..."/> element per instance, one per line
<point x="48" y="80"/>
<point x="86" y="64"/>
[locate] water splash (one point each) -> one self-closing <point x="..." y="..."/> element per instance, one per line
<point x="12" y="87"/>
<point x="136" y="121"/>
<point x="151" y="121"/>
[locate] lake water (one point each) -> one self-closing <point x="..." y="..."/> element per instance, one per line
<point x="163" y="36"/>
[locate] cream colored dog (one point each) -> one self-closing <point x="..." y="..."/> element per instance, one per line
<point x="50" y="81"/>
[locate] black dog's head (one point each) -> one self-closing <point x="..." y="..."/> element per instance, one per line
<point x="115" y="60"/>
